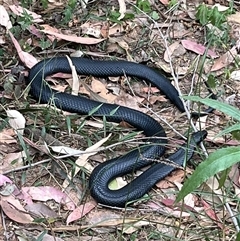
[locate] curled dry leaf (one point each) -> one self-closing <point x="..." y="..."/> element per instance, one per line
<point x="4" y="18"/>
<point x="6" y="136"/>
<point x="75" y="82"/>
<point x="82" y="161"/>
<point x="91" y="29"/>
<point x="16" y="121"/>
<point x="122" y="9"/>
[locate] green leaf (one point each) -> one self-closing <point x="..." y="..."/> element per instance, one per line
<point x="144" y="5"/>
<point x="202" y="14"/>
<point x="216" y="162"/>
<point x="223" y="177"/>
<point x="155" y="15"/>
<point x="211" y="81"/>
<point x="225" y="108"/>
<point x="235" y="127"/>
<point x="236" y="134"/>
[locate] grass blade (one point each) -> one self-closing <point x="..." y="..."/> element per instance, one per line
<point x="223" y="107"/>
<point x="216" y="162"/>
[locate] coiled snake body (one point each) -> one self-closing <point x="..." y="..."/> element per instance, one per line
<point x="134" y="160"/>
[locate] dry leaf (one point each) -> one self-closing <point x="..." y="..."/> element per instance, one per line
<point x="18" y="10"/>
<point x="122" y="9"/>
<point x="12" y="160"/>
<point x="4" y="18"/>
<point x="25" y="57"/>
<point x="4" y="180"/>
<point x="44" y="193"/>
<point x="168" y="53"/>
<point x="16" y="121"/>
<point x="70" y="38"/>
<point x="75" y="82"/>
<point x="81" y="211"/>
<point x="82" y="161"/>
<point x="41" y="210"/>
<point x="234" y="17"/>
<point x="198" y="48"/>
<point x="225" y="60"/>
<point x="14" y="210"/>
<point x="91" y="29"/>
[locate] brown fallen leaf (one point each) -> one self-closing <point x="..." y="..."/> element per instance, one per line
<point x="122" y="9"/>
<point x="211" y="214"/>
<point x="127" y="100"/>
<point x="11" y="161"/>
<point x="71" y="38"/>
<point x="7" y="136"/>
<point x="176" y="176"/>
<point x="198" y="48"/>
<point x="18" y="10"/>
<point x="235" y="18"/>
<point x="168" y="53"/>
<point x="14" y="210"/>
<point x="81" y="211"/>
<point x="225" y="60"/>
<point x="44" y="193"/>
<point x="99" y="88"/>
<point x="91" y="29"/>
<point x="4" y="18"/>
<point x="40" y="210"/>
<point x="28" y="60"/>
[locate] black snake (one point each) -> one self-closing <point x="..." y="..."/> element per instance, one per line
<point x="144" y="155"/>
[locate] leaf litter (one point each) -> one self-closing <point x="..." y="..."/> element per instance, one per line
<point x="21" y="207"/>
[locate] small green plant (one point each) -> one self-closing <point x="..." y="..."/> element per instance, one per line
<point x="220" y="160"/>
<point x="22" y="23"/>
<point x="44" y="44"/>
<point x="216" y="22"/>
<point x="25" y="20"/>
<point x="172" y="3"/>
<point x="68" y="11"/>
<point x="144" y="5"/>
<point x="28" y="3"/>
<point x="114" y="15"/>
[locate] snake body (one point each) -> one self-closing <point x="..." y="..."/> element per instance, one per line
<point x="134" y="160"/>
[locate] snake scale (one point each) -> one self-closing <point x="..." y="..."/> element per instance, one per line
<point x="142" y="156"/>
